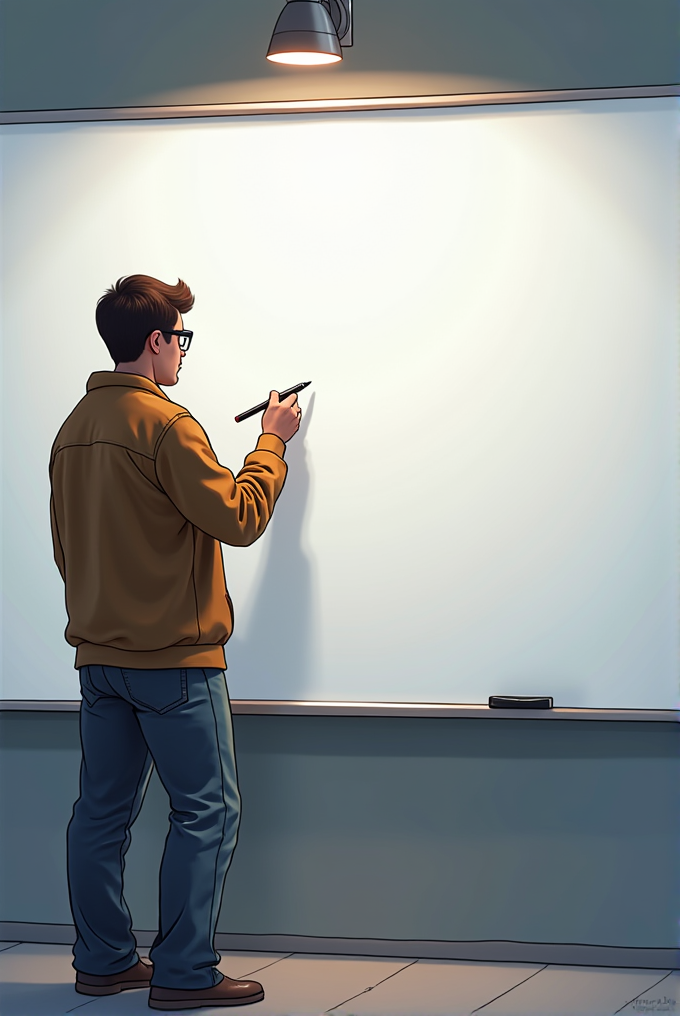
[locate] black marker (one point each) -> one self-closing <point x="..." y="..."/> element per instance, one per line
<point x="263" y="405"/>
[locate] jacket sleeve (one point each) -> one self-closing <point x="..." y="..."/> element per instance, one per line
<point x="56" y="542"/>
<point x="232" y="509"/>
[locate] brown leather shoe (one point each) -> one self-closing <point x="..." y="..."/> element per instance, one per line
<point x="134" y="977"/>
<point x="227" y="992"/>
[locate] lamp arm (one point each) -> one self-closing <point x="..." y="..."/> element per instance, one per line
<point x="341" y="16"/>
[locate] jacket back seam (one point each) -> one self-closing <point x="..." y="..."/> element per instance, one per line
<point x="166" y="428"/>
<point x="91" y="444"/>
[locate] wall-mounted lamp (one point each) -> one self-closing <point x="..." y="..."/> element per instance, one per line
<point x="311" y="32"/>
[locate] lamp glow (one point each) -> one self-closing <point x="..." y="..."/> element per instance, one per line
<point x="304" y="59"/>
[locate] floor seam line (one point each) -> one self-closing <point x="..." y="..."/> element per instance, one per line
<point x="480" y="1007"/>
<point x="371" y="987"/>
<point x="268" y="965"/>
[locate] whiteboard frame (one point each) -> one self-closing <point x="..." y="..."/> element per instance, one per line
<point x="108" y="113"/>
<point x="324" y="708"/>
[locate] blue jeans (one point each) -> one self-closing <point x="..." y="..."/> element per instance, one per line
<point x="179" y="720"/>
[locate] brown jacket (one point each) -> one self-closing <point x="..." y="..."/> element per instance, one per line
<point x="139" y="508"/>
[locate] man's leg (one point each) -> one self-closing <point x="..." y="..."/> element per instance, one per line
<point x="114" y="774"/>
<point x="192" y="744"/>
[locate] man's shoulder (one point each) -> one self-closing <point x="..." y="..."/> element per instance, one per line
<point x="119" y="409"/>
<point x="110" y="386"/>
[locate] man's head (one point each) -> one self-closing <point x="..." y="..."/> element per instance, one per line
<point x="134" y="308"/>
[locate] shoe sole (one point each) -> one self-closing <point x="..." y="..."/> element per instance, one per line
<point x="109" y="989"/>
<point x="206" y="1003"/>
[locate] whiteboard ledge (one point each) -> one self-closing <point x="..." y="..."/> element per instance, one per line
<point x="26" y="116"/>
<point x="436" y="710"/>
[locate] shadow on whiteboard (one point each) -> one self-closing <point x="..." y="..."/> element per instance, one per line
<point x="273" y="655"/>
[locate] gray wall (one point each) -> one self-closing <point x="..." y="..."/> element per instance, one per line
<point x="520" y="830"/>
<point x="76" y="53"/>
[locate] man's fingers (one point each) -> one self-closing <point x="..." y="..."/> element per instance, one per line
<point x="281" y="418"/>
<point x="288" y="403"/>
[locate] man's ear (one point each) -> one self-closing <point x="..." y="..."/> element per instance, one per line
<point x="154" y="341"/>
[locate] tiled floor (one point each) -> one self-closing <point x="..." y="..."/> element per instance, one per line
<point x="37" y="980"/>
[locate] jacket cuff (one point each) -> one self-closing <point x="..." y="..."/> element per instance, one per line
<point x="271" y="443"/>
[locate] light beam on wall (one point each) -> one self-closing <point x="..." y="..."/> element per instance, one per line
<point x="311" y="32"/>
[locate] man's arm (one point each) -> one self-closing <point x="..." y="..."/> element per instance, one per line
<point x="232" y="509"/>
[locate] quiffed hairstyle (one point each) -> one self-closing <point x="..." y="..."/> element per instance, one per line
<point x="133" y="308"/>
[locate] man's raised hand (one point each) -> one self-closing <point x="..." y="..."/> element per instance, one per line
<point x="281" y="418"/>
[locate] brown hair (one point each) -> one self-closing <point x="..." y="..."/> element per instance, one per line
<point x="133" y="308"/>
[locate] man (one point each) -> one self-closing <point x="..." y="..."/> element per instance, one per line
<point x="139" y="508"/>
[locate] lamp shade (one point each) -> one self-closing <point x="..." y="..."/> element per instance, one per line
<point x="304" y="34"/>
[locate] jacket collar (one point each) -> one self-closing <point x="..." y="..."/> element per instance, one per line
<point x="112" y="378"/>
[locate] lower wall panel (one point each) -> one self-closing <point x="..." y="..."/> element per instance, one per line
<point x="456" y="833"/>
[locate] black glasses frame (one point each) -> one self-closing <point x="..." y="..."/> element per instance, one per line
<point x="185" y="337"/>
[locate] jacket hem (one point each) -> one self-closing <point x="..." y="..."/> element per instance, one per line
<point x="88" y="654"/>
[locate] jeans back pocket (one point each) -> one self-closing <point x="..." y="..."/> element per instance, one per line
<point x="158" y="690"/>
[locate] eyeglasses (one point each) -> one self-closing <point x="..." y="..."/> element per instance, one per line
<point x="184" y="339"/>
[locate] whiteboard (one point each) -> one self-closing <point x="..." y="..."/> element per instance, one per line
<point x="483" y="496"/>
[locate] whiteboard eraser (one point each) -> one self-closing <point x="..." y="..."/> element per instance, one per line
<point x="520" y="702"/>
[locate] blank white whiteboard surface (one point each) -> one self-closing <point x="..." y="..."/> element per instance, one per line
<point x="483" y="497"/>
